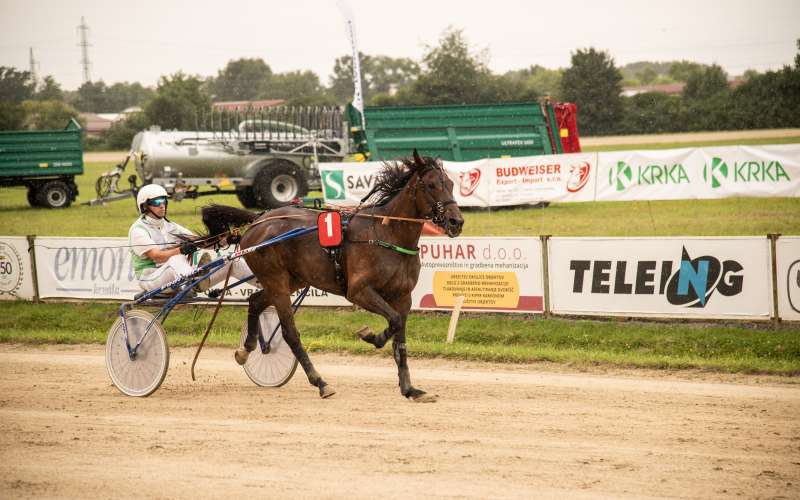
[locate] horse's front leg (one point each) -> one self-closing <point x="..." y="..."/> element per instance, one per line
<point x="395" y="314"/>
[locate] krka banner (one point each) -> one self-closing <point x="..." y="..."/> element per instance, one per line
<point x="699" y="173"/>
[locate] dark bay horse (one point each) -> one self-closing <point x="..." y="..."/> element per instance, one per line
<point x="378" y="265"/>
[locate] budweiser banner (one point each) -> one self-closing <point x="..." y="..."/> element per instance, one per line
<point x="16" y="276"/>
<point x="689" y="277"/>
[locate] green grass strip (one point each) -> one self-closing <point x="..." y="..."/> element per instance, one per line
<point x="725" y="347"/>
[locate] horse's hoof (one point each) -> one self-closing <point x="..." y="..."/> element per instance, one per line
<point x="365" y="333"/>
<point x="326" y="391"/>
<point x="419" y="396"/>
<point x="241" y="356"/>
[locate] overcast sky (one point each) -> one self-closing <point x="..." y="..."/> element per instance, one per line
<point x="144" y="39"/>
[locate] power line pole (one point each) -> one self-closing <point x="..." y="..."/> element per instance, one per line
<point x="84" y="45"/>
<point x="33" y="65"/>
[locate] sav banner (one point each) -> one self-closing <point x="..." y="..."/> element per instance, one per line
<point x="675" y="277"/>
<point x="788" y="259"/>
<point x="493" y="274"/>
<point x="16" y="276"/>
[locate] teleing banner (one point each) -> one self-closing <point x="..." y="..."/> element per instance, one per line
<point x="16" y="276"/>
<point x="787" y="251"/>
<point x="678" y="277"/>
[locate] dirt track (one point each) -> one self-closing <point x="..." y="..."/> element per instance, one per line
<point x="497" y="431"/>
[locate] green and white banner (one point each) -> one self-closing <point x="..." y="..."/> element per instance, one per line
<point x="699" y="173"/>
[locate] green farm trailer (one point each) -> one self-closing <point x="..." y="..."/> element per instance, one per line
<point x="465" y="132"/>
<point x="46" y="161"/>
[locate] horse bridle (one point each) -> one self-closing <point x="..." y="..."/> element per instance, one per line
<point x="437" y="207"/>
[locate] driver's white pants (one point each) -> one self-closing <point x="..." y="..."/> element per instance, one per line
<point x="178" y="265"/>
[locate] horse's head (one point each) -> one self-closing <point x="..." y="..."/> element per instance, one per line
<point x="434" y="194"/>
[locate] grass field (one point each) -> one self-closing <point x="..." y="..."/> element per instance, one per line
<point x="730" y="217"/>
<point x="505" y="338"/>
<point x="729" y="347"/>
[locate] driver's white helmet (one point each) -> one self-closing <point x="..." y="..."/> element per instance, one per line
<point x="147" y="193"/>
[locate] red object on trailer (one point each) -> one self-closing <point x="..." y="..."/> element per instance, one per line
<point x="567" y="126"/>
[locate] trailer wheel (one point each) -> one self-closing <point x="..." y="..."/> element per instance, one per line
<point x="277" y="184"/>
<point x="54" y="194"/>
<point x="32" y="195"/>
<point x="246" y="197"/>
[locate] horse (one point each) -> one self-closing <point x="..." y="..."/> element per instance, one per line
<point x="376" y="268"/>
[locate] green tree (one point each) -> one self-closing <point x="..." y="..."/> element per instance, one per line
<point x="593" y="82"/>
<point x="179" y="102"/>
<point x="48" y="115"/>
<point x="15" y="86"/>
<point x="293" y="85"/>
<point x="452" y="74"/>
<point x="680" y="71"/>
<point x="12" y="116"/>
<point x="653" y="113"/>
<point x="123" y="95"/>
<point x="50" y="90"/>
<point x="92" y="98"/>
<point x="241" y="80"/>
<point x="705" y="83"/>
<point x="121" y="133"/>
<point x="647" y="76"/>
<point x="379" y="75"/>
<point x="536" y="82"/>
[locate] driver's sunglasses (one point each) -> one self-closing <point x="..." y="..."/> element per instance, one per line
<point x="157" y="202"/>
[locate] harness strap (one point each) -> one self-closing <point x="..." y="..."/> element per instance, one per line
<point x="390" y="246"/>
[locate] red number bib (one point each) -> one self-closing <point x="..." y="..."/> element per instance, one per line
<point x="329" y="229"/>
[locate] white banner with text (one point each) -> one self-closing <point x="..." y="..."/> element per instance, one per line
<point x="699" y="173"/>
<point x="16" y="275"/>
<point x="787" y="250"/>
<point x="481" y="183"/>
<point x="492" y="274"/>
<point x="726" y="277"/>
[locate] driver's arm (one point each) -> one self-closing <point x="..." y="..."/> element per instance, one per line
<point x="160" y="256"/>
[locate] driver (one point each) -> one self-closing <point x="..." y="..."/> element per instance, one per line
<point x="159" y="254"/>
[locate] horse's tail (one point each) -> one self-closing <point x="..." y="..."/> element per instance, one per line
<point x="220" y="218"/>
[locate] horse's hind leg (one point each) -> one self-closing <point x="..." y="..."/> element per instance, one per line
<point x="292" y="337"/>
<point x="256" y="305"/>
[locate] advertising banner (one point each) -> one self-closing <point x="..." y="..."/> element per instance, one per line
<point x="787" y="251"/>
<point x="481" y="183"/>
<point x="16" y="276"/>
<point x="726" y="277"/>
<point x="492" y="274"/>
<point x="100" y="268"/>
<point x="703" y="173"/>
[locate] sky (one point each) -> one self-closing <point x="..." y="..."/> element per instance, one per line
<point x="145" y="39"/>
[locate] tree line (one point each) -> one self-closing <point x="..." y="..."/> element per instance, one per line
<point x="448" y="73"/>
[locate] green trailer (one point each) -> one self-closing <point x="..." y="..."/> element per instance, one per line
<point x="46" y="161"/>
<point x="457" y="132"/>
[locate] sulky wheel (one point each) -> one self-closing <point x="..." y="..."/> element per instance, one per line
<point x="143" y="374"/>
<point x="275" y="367"/>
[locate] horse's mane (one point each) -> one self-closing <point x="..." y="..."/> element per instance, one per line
<point x="392" y="178"/>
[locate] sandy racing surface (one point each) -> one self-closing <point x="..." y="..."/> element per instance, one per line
<point x="496" y="431"/>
